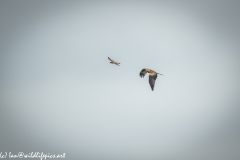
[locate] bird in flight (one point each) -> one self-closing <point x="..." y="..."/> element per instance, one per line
<point x="113" y="62"/>
<point x="152" y="76"/>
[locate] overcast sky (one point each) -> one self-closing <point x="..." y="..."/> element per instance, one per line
<point x="60" y="94"/>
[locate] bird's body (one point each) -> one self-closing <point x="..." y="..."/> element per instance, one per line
<point x="152" y="76"/>
<point x="113" y="62"/>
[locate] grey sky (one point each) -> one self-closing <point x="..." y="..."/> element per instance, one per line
<point x="59" y="93"/>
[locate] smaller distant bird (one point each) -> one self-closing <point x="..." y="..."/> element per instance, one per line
<point x="152" y="76"/>
<point x="113" y="62"/>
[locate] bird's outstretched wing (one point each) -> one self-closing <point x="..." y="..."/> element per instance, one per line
<point x="152" y="79"/>
<point x="143" y="72"/>
<point x="110" y="59"/>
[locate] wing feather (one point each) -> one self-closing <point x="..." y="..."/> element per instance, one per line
<point x="143" y="72"/>
<point x="110" y="59"/>
<point x="152" y="79"/>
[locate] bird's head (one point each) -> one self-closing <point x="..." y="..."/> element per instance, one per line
<point x="148" y="70"/>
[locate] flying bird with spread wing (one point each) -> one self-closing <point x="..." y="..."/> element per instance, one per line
<point x="113" y="62"/>
<point x="152" y="76"/>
